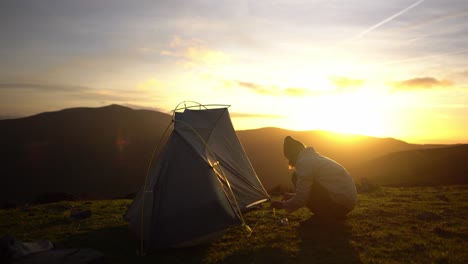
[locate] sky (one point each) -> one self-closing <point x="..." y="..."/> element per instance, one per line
<point x="380" y="68"/>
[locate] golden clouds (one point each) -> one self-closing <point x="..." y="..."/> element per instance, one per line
<point x="258" y="88"/>
<point x="336" y="84"/>
<point x="151" y="84"/>
<point x="293" y="91"/>
<point x="202" y="55"/>
<point x="193" y="52"/>
<point x="422" y="83"/>
<point x="346" y="82"/>
<point x="272" y="89"/>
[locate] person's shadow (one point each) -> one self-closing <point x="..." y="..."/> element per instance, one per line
<point x="327" y="241"/>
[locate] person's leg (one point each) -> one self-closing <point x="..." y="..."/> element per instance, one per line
<point x="321" y="204"/>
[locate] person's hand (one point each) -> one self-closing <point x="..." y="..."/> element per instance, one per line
<point x="277" y="204"/>
<point x="287" y="196"/>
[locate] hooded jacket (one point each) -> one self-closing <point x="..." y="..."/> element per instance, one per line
<point x="313" y="168"/>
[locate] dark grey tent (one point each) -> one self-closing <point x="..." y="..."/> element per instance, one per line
<point x="199" y="186"/>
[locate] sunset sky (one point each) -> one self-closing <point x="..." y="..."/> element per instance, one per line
<point x="381" y="68"/>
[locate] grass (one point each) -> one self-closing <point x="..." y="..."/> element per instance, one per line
<point x="389" y="225"/>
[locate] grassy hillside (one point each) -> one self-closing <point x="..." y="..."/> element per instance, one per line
<point x="389" y="225"/>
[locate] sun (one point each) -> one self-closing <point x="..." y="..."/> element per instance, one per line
<point x="352" y="113"/>
<point x="358" y="112"/>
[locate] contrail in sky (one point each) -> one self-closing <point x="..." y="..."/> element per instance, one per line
<point x="360" y="35"/>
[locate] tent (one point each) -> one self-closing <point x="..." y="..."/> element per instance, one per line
<point x="198" y="186"/>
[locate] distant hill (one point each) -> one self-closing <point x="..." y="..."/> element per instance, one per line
<point x="421" y="167"/>
<point x="105" y="152"/>
<point x="100" y="151"/>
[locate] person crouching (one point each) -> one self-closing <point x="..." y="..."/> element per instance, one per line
<point x="322" y="185"/>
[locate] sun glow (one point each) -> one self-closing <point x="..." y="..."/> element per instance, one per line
<point x="358" y="112"/>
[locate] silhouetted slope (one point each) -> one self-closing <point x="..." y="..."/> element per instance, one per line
<point x="106" y="151"/>
<point x="428" y="167"/>
<point x="81" y="150"/>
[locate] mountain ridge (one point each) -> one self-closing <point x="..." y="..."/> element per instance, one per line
<point x="105" y="151"/>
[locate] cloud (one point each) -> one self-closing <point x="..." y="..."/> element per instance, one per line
<point x="72" y="92"/>
<point x="272" y="89"/>
<point x="422" y="83"/>
<point x="258" y="88"/>
<point x="205" y="56"/>
<point x="292" y="91"/>
<point x="150" y="84"/>
<point x="43" y="87"/>
<point x="193" y="52"/>
<point x="345" y="82"/>
<point x="176" y="42"/>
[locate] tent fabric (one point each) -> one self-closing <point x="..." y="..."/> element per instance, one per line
<point x="198" y="187"/>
